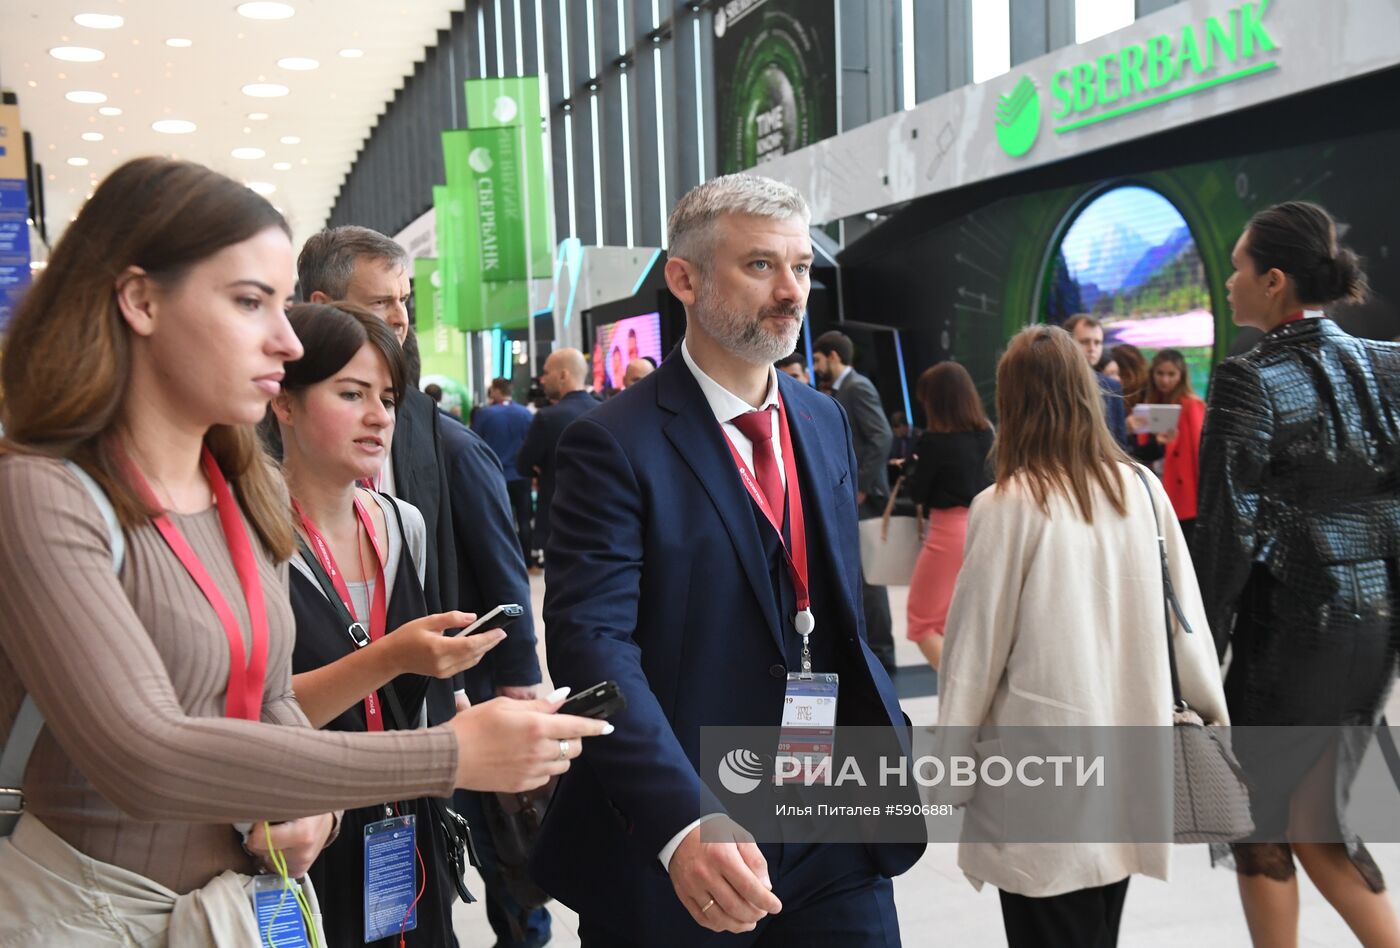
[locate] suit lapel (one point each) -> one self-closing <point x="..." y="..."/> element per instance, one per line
<point x="696" y="435"/>
<point x="818" y="497"/>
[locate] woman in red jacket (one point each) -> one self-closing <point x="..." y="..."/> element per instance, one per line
<point x="1170" y="384"/>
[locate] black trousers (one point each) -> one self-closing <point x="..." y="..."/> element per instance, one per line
<point x="879" y="626"/>
<point x="519" y="493"/>
<point x="1086" y="918"/>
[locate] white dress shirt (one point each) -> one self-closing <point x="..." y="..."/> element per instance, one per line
<point x="836" y="385"/>
<point x="726" y="405"/>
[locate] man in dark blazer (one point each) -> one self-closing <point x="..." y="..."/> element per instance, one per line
<point x="1088" y="334"/>
<point x="563" y="381"/>
<point x="502" y="424"/>
<point x="663" y="575"/>
<point x="832" y="355"/>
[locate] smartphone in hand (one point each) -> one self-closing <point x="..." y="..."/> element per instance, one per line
<point x="601" y="701"/>
<point x="499" y="617"/>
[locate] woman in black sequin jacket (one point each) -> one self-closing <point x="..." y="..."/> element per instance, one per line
<point x="1296" y="550"/>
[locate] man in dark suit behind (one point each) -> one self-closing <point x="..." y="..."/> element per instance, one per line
<point x="1088" y="333"/>
<point x="562" y="379"/>
<point x="832" y="355"/>
<point x="663" y="574"/>
<point x="502" y="424"/>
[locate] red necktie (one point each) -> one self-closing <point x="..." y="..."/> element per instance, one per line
<point x="757" y="426"/>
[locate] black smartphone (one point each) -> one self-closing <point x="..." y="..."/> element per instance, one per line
<point x="603" y="700"/>
<point x="497" y="618"/>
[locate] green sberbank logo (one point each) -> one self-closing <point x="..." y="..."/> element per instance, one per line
<point x="1224" y="49"/>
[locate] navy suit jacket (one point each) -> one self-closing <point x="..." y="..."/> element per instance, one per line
<point x="1114" y="410"/>
<point x="503" y="427"/>
<point x="490" y="567"/>
<point x="538" y="452"/>
<point x="657" y="578"/>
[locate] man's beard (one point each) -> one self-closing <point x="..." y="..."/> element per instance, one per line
<point x="743" y="335"/>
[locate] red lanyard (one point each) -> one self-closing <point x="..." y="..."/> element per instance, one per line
<point x="378" y="610"/>
<point x="245" y="678"/>
<point x="796" y="554"/>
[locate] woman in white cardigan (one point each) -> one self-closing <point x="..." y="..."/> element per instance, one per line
<point x="1057" y="620"/>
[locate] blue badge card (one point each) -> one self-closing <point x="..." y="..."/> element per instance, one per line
<point x="807" y="736"/>
<point x="390" y="878"/>
<point x="279" y="918"/>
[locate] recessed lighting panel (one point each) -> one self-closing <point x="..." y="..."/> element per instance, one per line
<point x="282" y="166"/>
<point x="265" y="10"/>
<point x="179" y="42"/>
<point x="109" y="110"/>
<point x="249" y="154"/>
<point x="291" y="140"/>
<point x="298" y="64"/>
<point x="77" y="54"/>
<point x="265" y="90"/>
<point x="78" y="162"/>
<point x="86" y="98"/>
<point x="92" y="136"/>
<point x="262" y="187"/>
<point x="99" y="21"/>
<point x="352" y="53"/>
<point x="173" y="126"/>
<point x="257" y="116"/>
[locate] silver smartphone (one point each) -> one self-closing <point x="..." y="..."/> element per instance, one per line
<point x="498" y="617"/>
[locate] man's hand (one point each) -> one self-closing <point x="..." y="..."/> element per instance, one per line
<point x="723" y="884"/>
<point x="517" y="692"/>
<point x="299" y="842"/>
<point x="860" y="498"/>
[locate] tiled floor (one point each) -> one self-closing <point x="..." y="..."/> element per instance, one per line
<point x="938" y="907"/>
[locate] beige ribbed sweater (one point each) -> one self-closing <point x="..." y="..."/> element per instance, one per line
<point x="137" y="766"/>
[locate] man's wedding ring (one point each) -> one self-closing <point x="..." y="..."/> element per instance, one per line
<point x="708" y="905"/>
<point x="563" y="750"/>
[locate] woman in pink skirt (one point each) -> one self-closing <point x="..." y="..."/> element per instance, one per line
<point x="951" y="469"/>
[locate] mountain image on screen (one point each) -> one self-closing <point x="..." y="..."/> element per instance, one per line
<point x="1129" y="259"/>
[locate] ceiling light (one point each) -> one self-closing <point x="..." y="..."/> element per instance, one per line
<point x="352" y="53"/>
<point x="78" y="162"/>
<point x="109" y="110"/>
<point x="98" y="21"/>
<point x="265" y="10"/>
<point x="173" y="126"/>
<point x="265" y="90"/>
<point x="262" y="187"/>
<point x="86" y="98"/>
<point x="298" y="63"/>
<point x="249" y="154"/>
<point x="77" y="54"/>
<point x="291" y="140"/>
<point x="179" y="42"/>
<point x="257" y="116"/>
<point x="282" y="166"/>
<point x="92" y="136"/>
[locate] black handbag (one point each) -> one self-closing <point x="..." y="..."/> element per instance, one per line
<point x="453" y="833"/>
<point x="1211" y="799"/>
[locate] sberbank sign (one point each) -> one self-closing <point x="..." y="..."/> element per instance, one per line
<point x="1225" y="48"/>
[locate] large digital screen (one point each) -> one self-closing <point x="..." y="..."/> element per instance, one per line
<point x="616" y="344"/>
<point x="1130" y="260"/>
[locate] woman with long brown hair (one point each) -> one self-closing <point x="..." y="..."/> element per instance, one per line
<point x="1057" y="621"/>
<point x="157" y="643"/>
<point x="1180" y="448"/>
<point x="1132" y="374"/>
<point x="950" y="470"/>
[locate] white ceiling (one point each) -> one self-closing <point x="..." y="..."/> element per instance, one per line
<point x="331" y="108"/>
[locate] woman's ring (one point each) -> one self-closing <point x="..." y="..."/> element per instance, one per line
<point x="563" y="750"/>
<point x="708" y="905"/>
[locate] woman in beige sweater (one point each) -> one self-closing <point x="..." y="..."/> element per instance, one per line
<point x="144" y="354"/>
<point x="1057" y="620"/>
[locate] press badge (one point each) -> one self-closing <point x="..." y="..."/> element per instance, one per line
<point x="280" y="924"/>
<point x="807" y="736"/>
<point x="390" y="878"/>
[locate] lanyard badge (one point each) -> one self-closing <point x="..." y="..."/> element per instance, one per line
<point x="247" y="674"/>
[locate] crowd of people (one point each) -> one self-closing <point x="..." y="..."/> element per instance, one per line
<point x="239" y="541"/>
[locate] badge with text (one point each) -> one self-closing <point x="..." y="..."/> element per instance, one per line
<point x="390" y="878"/>
<point x="807" y="736"/>
<point x="278" y="915"/>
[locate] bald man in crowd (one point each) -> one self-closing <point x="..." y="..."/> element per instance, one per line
<point x="637" y="370"/>
<point x="563" y="382"/>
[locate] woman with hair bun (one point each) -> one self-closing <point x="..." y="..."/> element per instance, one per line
<point x="1297" y="544"/>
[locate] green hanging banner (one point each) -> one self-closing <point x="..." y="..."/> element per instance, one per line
<point x="452" y="263"/>
<point x="516" y="103"/>
<point x="427" y="295"/>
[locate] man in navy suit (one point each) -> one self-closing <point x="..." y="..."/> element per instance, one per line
<point x="1088" y="333"/>
<point x="563" y="381"/>
<point x="665" y="574"/>
<point x="502" y="424"/>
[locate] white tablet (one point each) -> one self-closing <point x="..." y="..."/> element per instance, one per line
<point x="1159" y="418"/>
